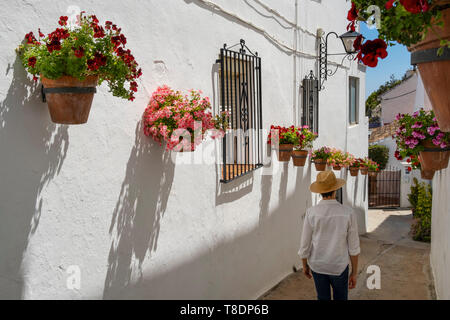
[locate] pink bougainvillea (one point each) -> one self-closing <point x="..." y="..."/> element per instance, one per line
<point x="181" y="121"/>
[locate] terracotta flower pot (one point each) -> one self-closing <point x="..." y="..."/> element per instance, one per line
<point x="373" y="174"/>
<point x="364" y="171"/>
<point x="299" y="157"/>
<point x="337" y="168"/>
<point x="354" y="171"/>
<point x="69" y="107"/>
<point x="320" y="164"/>
<point x="284" y="152"/>
<point x="427" y="174"/>
<point x="433" y="158"/>
<point x="435" y="71"/>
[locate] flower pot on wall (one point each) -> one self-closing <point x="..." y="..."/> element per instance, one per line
<point x="435" y="70"/>
<point x="354" y="171"/>
<point x="364" y="171"/>
<point x="337" y="167"/>
<point x="373" y="174"/>
<point x="427" y="174"/>
<point x="284" y="152"/>
<point x="320" y="164"/>
<point x="434" y="158"/>
<point x="69" y="100"/>
<point x="299" y="157"/>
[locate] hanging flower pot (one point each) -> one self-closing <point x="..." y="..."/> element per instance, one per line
<point x="354" y="171"/>
<point x="435" y="69"/>
<point x="299" y="157"/>
<point x="364" y="171"/>
<point x="373" y="174"/>
<point x="320" y="164"/>
<point x="182" y="121"/>
<point x="69" y="99"/>
<point x="285" y="152"/>
<point x="427" y="174"/>
<point x="337" y="167"/>
<point x="433" y="157"/>
<point x="71" y="60"/>
<point x="320" y="158"/>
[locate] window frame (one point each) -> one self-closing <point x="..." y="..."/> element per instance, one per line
<point x="356" y="81"/>
<point x="242" y="148"/>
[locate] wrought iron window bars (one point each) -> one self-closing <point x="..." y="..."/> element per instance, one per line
<point x="241" y="96"/>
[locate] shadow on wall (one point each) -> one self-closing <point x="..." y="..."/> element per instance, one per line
<point x="359" y="210"/>
<point x="212" y="274"/>
<point x="32" y="151"/>
<point x="136" y="218"/>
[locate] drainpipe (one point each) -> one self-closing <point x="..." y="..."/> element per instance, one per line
<point x="294" y="95"/>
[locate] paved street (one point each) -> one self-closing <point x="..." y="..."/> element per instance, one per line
<point x="404" y="263"/>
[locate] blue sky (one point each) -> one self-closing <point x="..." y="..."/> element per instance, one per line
<point x="396" y="63"/>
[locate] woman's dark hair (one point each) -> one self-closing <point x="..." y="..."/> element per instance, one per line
<point x="327" y="194"/>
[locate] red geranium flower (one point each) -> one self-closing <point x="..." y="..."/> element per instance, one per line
<point x="98" y="61"/>
<point x="415" y="6"/>
<point x="99" y="32"/>
<point x="32" y="61"/>
<point x="409" y="169"/>
<point x="79" y="53"/>
<point x="63" y="20"/>
<point x="371" y="50"/>
<point x="352" y="15"/>
<point x="389" y="4"/>
<point x="30" y="38"/>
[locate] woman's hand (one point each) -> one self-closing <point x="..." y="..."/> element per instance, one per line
<point x="352" y="281"/>
<point x="306" y="269"/>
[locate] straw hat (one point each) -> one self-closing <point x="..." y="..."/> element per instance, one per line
<point x="326" y="182"/>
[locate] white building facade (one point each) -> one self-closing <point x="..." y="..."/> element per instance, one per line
<point x="99" y="211"/>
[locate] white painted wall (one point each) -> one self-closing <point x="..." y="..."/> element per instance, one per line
<point x="106" y="198"/>
<point x="440" y="235"/>
<point x="404" y="98"/>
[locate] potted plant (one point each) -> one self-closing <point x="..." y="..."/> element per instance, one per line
<point x="339" y="159"/>
<point x="419" y="134"/>
<point x="424" y="27"/>
<point x="320" y="158"/>
<point x="181" y="121"/>
<point x="354" y="166"/>
<point x="373" y="168"/>
<point x="364" y="166"/>
<point x="71" y="62"/>
<point x="305" y="139"/>
<point x="283" y="139"/>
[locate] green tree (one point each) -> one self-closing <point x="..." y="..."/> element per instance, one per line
<point x="379" y="154"/>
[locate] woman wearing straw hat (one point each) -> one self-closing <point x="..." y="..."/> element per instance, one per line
<point x="329" y="238"/>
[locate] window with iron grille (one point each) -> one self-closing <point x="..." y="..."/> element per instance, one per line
<point x="240" y="95"/>
<point x="310" y="102"/>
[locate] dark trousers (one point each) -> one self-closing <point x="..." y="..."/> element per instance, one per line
<point x="339" y="284"/>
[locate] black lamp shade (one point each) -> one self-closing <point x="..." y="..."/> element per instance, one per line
<point x="348" y="39"/>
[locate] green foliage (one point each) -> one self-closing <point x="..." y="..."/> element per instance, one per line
<point x="413" y="196"/>
<point x="398" y="24"/>
<point x="421" y="199"/>
<point x="379" y="154"/>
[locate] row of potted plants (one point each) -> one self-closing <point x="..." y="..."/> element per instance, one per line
<point x="421" y="142"/>
<point x="337" y="159"/>
<point x="297" y="142"/>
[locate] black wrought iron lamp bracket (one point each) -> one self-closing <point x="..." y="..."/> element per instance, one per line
<point x="324" y="71"/>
